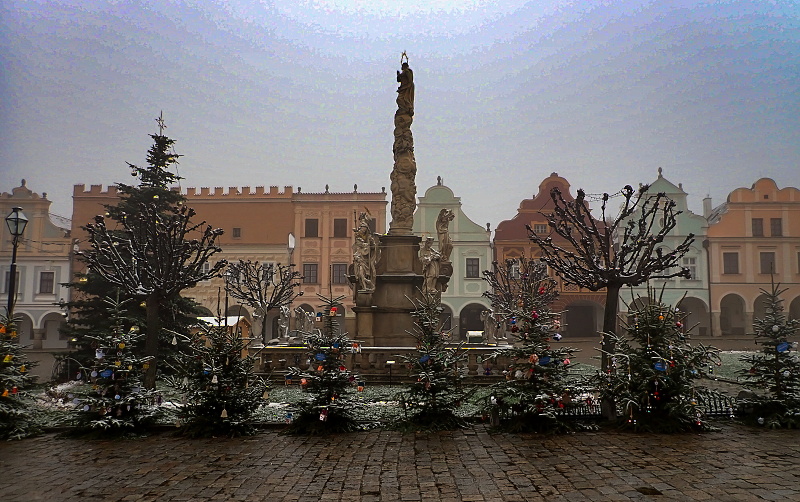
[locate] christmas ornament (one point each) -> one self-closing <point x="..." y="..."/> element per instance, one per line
<point x="224" y="413"/>
<point x="544" y="360"/>
<point x="214" y="379"/>
<point x="776" y="328"/>
<point x="782" y="347"/>
<point x="320" y="356"/>
<point x="557" y="336"/>
<point x="8" y="358"/>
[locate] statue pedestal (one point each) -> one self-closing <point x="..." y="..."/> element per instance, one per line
<point x="383" y="317"/>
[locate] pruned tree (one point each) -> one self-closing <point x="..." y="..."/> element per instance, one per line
<point x="262" y="286"/>
<point x="153" y="257"/>
<point x="612" y="251"/>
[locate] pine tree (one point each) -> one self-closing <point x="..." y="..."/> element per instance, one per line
<point x="435" y="394"/>
<point x="16" y="418"/>
<point x="89" y="289"/>
<point x="537" y="391"/>
<point x="329" y="406"/>
<point x="776" y="369"/>
<point x="654" y="371"/>
<point x="110" y="398"/>
<point x="217" y="381"/>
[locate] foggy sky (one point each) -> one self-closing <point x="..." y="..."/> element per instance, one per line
<point x="302" y="93"/>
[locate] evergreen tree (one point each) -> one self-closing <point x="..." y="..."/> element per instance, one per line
<point x="435" y="393"/>
<point x="16" y="419"/>
<point x="329" y="406"/>
<point x="776" y="369"/>
<point x="219" y="387"/>
<point x="654" y="372"/>
<point x="536" y="392"/>
<point x="110" y="398"/>
<point x="89" y="289"/>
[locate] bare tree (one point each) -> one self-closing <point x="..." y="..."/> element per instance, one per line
<point x="154" y="256"/>
<point x="262" y="286"/>
<point x="614" y="252"/>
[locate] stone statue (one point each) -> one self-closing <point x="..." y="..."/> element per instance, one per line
<point x="405" y="93"/>
<point x="404" y="189"/>
<point x="283" y="322"/>
<point x="366" y="252"/>
<point x="491" y="327"/>
<point x="303" y="321"/>
<point x="430" y="259"/>
<point x="442" y="232"/>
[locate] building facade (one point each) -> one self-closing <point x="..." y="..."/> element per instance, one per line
<point x="583" y="309"/>
<point x="314" y="231"/>
<point x="753" y="239"/>
<point x="43" y="264"/>
<point x="690" y="295"/>
<point x="463" y="301"/>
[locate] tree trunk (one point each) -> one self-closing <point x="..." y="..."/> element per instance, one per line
<point x="264" y="328"/>
<point x="609" y="407"/>
<point x="151" y="339"/>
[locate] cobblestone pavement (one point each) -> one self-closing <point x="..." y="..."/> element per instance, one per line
<point x="471" y="465"/>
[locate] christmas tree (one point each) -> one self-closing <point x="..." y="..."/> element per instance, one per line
<point x="110" y="398"/>
<point x="87" y="317"/>
<point x="216" y="379"/>
<point x="16" y="419"/>
<point x="329" y="406"/>
<point x="435" y="393"/>
<point x="776" y="369"/>
<point x="536" y="391"/>
<point x="654" y="371"/>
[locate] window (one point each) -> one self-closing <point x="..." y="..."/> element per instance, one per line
<point x="758" y="227"/>
<point x="691" y="264"/>
<point x="205" y="269"/>
<point x="473" y="268"/>
<point x="340" y="227"/>
<point x="767" y="262"/>
<point x="312" y="227"/>
<point x="339" y="273"/>
<point x="46" y="282"/>
<point x="540" y="228"/>
<point x="775" y="227"/>
<point x="730" y="263"/>
<point x="310" y="272"/>
<point x="514" y="271"/>
<point x="16" y="282"/>
<point x="237" y="232"/>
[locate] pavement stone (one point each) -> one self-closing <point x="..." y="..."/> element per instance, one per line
<point x="738" y="463"/>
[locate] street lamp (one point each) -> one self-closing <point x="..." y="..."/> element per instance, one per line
<point x="16" y="222"/>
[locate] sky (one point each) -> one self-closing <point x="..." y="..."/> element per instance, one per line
<point x="301" y="93"/>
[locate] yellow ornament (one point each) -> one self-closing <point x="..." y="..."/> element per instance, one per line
<point x="5" y="392"/>
<point x="8" y="358"/>
<point x="121" y="345"/>
<point x="23" y="369"/>
<point x="146" y="366"/>
<point x="14" y="334"/>
<point x="117" y="363"/>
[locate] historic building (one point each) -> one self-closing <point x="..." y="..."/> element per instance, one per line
<point x="753" y="239"/>
<point x="584" y="308"/>
<point x="43" y="264"/>
<point x="312" y="230"/>
<point x="463" y="301"/>
<point x="691" y="295"/>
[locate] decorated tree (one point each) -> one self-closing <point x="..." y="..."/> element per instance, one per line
<point x="776" y="369"/>
<point x="262" y="286"/>
<point x="654" y="372"/>
<point x="219" y="388"/>
<point x="536" y="392"/>
<point x="435" y="394"/>
<point x="89" y="288"/>
<point x="329" y="404"/>
<point x="16" y="418"/>
<point x="612" y="251"/>
<point x="109" y="397"/>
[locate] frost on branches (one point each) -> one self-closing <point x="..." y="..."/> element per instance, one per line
<point x="654" y="371"/>
<point x="536" y="393"/>
<point x="776" y="369"/>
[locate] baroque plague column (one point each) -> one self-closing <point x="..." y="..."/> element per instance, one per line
<point x="383" y="312"/>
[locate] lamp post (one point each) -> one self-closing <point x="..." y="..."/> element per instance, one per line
<point x="16" y="222"/>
